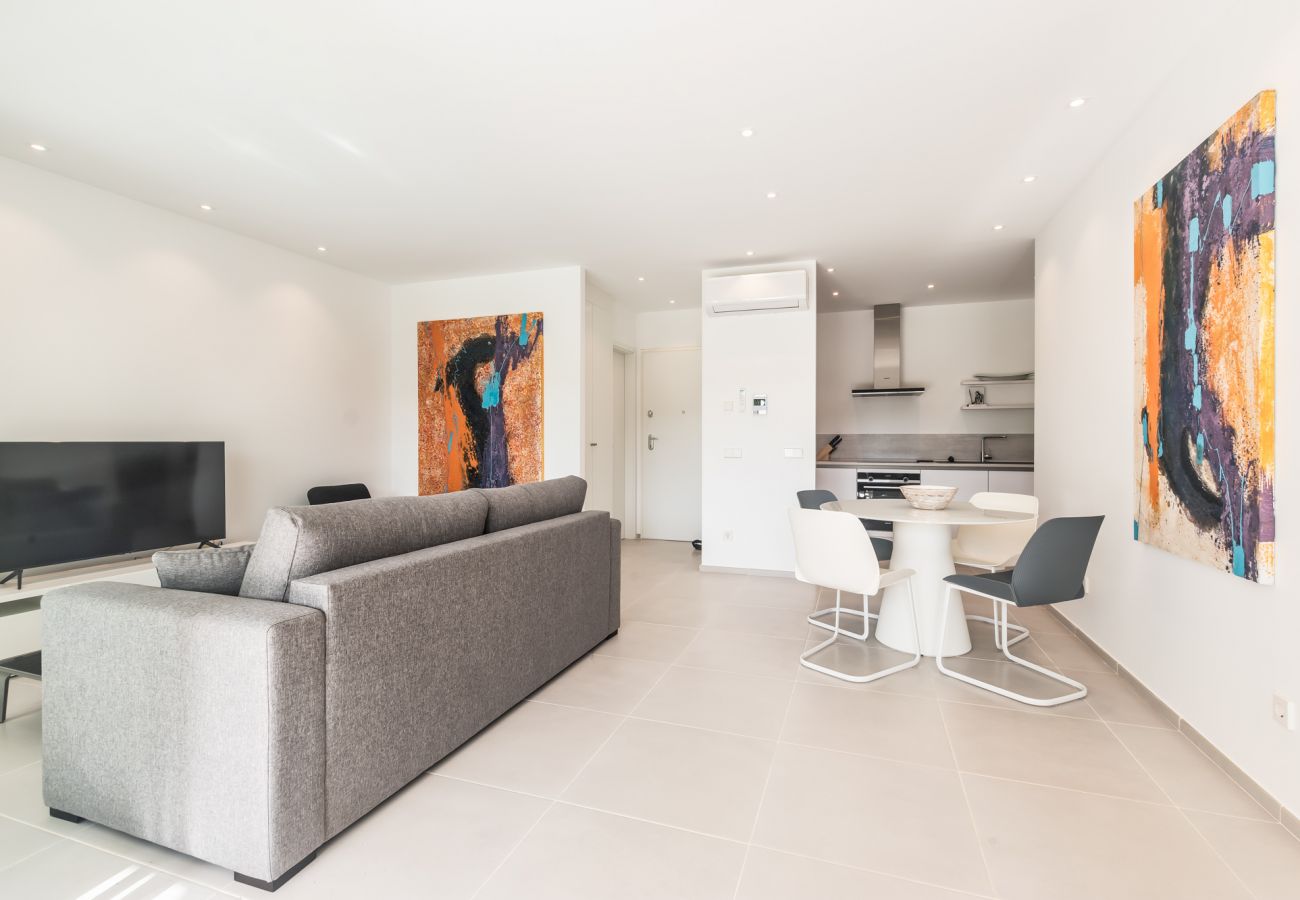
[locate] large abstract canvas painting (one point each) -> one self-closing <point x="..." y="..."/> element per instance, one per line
<point x="480" y="397"/>
<point x="1204" y="294"/>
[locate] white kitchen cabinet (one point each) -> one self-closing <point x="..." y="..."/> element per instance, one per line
<point x="968" y="482"/>
<point x="841" y="482"/>
<point x="1011" y="482"/>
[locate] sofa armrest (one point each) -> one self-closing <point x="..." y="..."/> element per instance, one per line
<point x="191" y="720"/>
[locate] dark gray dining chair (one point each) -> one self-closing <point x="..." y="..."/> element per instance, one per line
<point x="1052" y="569"/>
<point x="883" y="548"/>
<point x="337" y="493"/>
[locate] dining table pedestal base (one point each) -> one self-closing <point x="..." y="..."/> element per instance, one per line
<point x="926" y="549"/>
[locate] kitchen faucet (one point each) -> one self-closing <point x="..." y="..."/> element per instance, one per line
<point x="984" y="439"/>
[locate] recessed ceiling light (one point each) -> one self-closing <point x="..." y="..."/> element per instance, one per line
<point x="672" y="301"/>
<point x="1077" y="102"/>
<point x="830" y="269"/>
<point x="205" y="207"/>
<point x="640" y="278"/>
<point x="771" y="195"/>
<point x="929" y="287"/>
<point x="835" y="293"/>
<point x="320" y="249"/>
<point x="749" y="252"/>
<point x="1029" y="179"/>
<point x="747" y="132"/>
<point x="39" y="148"/>
<point x="997" y="227"/>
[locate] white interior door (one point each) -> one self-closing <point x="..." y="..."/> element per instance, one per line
<point x="670" y="444"/>
<point x="600" y="409"/>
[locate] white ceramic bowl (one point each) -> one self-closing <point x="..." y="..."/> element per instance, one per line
<point x="929" y="496"/>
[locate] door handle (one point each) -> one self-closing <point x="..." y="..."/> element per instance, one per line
<point x="650" y="441"/>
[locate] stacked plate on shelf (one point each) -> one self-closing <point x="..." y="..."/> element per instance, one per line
<point x="1019" y="376"/>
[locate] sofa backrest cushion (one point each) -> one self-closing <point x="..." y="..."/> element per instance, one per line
<point x="524" y="504"/>
<point x="298" y="541"/>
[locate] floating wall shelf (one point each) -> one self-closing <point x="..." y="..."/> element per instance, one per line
<point x="975" y="382"/>
<point x="1017" y="398"/>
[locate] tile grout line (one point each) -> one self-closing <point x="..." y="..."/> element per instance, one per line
<point x="762" y="797"/>
<point x="710" y="836"/>
<point x="1182" y="812"/>
<point x="857" y="754"/>
<point x="1251" y="787"/>
<point x="892" y="875"/>
<point x="22" y="859"/>
<point x="1237" y="774"/>
<point x="153" y="866"/>
<point x="519" y="843"/>
<point x="965" y="795"/>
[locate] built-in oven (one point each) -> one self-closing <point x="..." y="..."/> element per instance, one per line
<point x="882" y="485"/>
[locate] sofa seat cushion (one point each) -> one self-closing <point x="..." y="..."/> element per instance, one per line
<point x="299" y="541"/>
<point x="219" y="571"/>
<point x="524" y="504"/>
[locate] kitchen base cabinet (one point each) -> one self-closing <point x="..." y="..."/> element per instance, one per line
<point x="843" y="483"/>
<point x="968" y="482"/>
<point x="1011" y="482"/>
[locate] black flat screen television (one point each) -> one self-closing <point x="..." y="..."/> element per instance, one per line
<point x="71" y="501"/>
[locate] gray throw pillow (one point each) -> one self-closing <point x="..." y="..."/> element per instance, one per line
<point x="218" y="571"/>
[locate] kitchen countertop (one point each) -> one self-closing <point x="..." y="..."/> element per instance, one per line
<point x="912" y="464"/>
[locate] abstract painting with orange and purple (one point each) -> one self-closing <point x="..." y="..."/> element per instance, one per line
<point x="480" y="396"/>
<point x="1204" y="292"/>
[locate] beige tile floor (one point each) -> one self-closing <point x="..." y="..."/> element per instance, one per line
<point x="692" y="757"/>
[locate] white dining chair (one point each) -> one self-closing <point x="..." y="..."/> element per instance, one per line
<point x="995" y="548"/>
<point x="832" y="550"/>
<point x="883" y="548"/>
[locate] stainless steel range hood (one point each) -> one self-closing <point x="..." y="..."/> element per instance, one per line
<point x="887" y="359"/>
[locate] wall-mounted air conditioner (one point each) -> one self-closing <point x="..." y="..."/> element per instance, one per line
<point x="756" y="292"/>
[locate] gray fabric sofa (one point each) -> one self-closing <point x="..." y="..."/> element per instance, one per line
<point x="369" y="639"/>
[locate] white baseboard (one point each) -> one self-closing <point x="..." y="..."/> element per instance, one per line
<point x="732" y="570"/>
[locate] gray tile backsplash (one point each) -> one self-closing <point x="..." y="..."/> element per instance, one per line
<point x="961" y="447"/>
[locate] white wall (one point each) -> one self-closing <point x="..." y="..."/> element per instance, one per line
<point x="762" y="353"/>
<point x="125" y="322"/>
<point x="670" y="328"/>
<point x="1213" y="646"/>
<point x="942" y="345"/>
<point x="558" y="294"/>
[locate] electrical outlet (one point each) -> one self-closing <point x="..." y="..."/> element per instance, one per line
<point x="1284" y="712"/>
<point x="728" y="536"/>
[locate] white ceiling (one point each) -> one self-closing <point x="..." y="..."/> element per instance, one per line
<point x="427" y="140"/>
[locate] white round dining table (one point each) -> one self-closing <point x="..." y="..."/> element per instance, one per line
<point x="923" y="543"/>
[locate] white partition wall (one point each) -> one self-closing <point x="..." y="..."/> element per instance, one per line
<point x="752" y="465"/>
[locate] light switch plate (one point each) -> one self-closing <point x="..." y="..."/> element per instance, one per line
<point x="794" y="452"/>
<point x="731" y="453"/>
